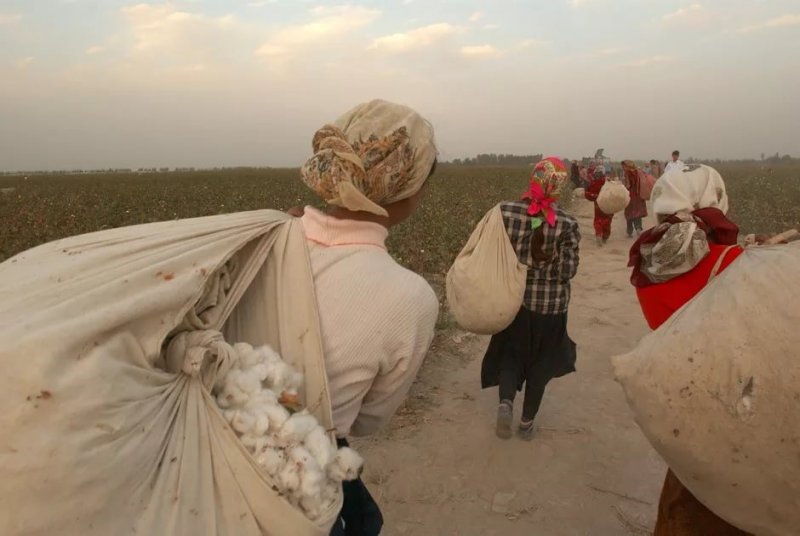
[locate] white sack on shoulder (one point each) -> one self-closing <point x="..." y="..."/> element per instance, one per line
<point x="486" y="284"/>
<point x="715" y="390"/>
<point x="613" y="197"/>
<point x="105" y="434"/>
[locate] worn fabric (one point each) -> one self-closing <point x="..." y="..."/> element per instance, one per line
<point x="681" y="514"/>
<point x="678" y="245"/>
<point x="377" y="320"/>
<point x="533" y="350"/>
<point x="690" y="204"/>
<point x="110" y="347"/>
<point x="376" y="154"/>
<point x="548" y="283"/>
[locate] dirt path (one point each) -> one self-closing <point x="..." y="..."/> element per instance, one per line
<point x="439" y="470"/>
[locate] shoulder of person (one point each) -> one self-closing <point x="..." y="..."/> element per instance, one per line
<point x="410" y="292"/>
<point x="567" y="220"/>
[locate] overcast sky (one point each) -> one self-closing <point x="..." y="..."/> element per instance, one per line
<point x="100" y="83"/>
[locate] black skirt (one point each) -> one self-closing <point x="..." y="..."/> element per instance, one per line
<point x="360" y="515"/>
<point x="531" y="337"/>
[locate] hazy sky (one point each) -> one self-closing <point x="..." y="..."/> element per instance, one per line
<point x="99" y="83"/>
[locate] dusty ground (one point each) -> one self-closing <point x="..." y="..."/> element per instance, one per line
<point x="440" y="470"/>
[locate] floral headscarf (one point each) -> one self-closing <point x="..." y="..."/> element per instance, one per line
<point x="376" y="154"/>
<point x="547" y="182"/>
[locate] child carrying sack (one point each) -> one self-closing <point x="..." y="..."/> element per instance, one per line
<point x="715" y="390"/>
<point x="110" y="345"/>
<point x="646" y="184"/>
<point x="613" y="198"/>
<point x="486" y="284"/>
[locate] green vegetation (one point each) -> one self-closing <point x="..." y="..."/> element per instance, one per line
<point x="47" y="207"/>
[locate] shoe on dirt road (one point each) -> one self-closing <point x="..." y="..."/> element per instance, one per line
<point x="505" y="414"/>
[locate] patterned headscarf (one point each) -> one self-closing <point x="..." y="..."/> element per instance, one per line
<point x="547" y="181"/>
<point x="376" y="154"/>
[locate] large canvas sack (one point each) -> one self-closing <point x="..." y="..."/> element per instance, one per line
<point x="613" y="197"/>
<point x="105" y="432"/>
<point x="486" y="284"/>
<point x="715" y="390"/>
<point x="646" y="184"/>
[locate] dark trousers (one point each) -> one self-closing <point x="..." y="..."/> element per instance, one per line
<point x="634" y="224"/>
<point x="360" y="515"/>
<point x="535" y="383"/>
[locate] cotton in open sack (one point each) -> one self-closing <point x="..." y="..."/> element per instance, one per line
<point x="716" y="390"/>
<point x="104" y="430"/>
<point x="613" y="197"/>
<point x="486" y="284"/>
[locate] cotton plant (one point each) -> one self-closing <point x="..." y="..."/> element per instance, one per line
<point x="259" y="398"/>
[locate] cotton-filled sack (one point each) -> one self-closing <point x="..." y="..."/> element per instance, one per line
<point x="486" y="284"/>
<point x="716" y="391"/>
<point x="613" y="197"/>
<point x="106" y="433"/>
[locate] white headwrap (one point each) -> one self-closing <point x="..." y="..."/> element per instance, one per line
<point x="685" y="189"/>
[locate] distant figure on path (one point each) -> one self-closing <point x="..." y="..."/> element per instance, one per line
<point x="675" y="162"/>
<point x="637" y="208"/>
<point x="536" y="348"/>
<point x="602" y="221"/>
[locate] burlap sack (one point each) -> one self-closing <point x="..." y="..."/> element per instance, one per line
<point x="716" y="390"/>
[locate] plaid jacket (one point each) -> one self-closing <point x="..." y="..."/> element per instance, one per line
<point x="548" y="289"/>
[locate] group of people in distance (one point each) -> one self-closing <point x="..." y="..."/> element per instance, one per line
<point x="593" y="177"/>
<point x="378" y="319"/>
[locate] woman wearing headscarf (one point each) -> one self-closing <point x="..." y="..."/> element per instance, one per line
<point x="536" y="348"/>
<point x="377" y="318"/>
<point x="672" y="262"/>
<point x="637" y="208"/>
<point x="602" y="221"/>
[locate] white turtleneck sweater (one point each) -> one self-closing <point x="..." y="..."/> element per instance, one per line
<point x="377" y="320"/>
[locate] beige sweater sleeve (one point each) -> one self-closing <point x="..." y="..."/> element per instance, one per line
<point x="413" y="326"/>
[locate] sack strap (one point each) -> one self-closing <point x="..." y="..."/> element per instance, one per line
<point x="718" y="265"/>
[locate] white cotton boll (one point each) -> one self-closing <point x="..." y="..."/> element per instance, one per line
<point x="241" y="349"/>
<point x="261" y="426"/>
<point x="261" y="370"/>
<point x="289" y="477"/>
<point x="250" y="359"/>
<point x="330" y="492"/>
<point x="312" y="507"/>
<point x="320" y="446"/>
<point x="278" y="376"/>
<point x="312" y="481"/>
<point x="346" y="465"/>
<point x="248" y="382"/>
<point x="232" y="394"/>
<point x="253" y="442"/>
<point x="272" y="461"/>
<point x="278" y="416"/>
<point x="295" y="430"/>
<point x="295" y="382"/>
<point x="243" y="422"/>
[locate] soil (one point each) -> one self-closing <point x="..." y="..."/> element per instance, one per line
<point x="439" y="469"/>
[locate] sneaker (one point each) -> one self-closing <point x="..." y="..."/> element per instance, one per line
<point x="505" y="414"/>
<point x="525" y="430"/>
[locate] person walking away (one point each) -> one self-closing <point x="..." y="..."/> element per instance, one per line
<point x="602" y="221"/>
<point x="536" y="348"/>
<point x="675" y="163"/>
<point x="671" y="263"/>
<point x="377" y="318"/>
<point x="575" y="175"/>
<point x="655" y="168"/>
<point x="636" y="210"/>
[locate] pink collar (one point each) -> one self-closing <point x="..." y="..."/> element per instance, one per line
<point x="329" y="231"/>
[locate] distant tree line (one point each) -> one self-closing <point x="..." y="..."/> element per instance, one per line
<point x="493" y="159"/>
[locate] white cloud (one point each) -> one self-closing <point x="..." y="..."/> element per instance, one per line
<point x="692" y="15"/>
<point x="165" y="33"/>
<point x="95" y="49"/>
<point x="329" y="24"/>
<point x="260" y="3"/>
<point x="476" y="17"/>
<point x="415" y="39"/>
<point x="532" y="43"/>
<point x="649" y="61"/>
<point x="778" y="22"/>
<point x="10" y="18"/>
<point x="491" y="27"/>
<point x="480" y="51"/>
<point x="24" y="63"/>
